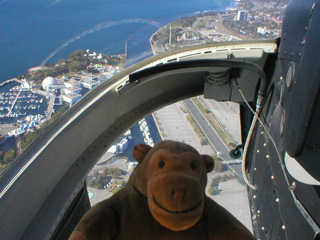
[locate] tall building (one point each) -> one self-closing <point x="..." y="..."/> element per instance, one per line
<point x="242" y="16"/>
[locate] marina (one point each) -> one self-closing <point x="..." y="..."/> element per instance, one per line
<point x="16" y="103"/>
<point x="22" y="108"/>
<point x="21" y="99"/>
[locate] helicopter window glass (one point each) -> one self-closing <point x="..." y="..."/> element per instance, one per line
<point x="55" y="51"/>
<point x="216" y="135"/>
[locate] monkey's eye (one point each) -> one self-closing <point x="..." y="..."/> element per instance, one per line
<point x="193" y="166"/>
<point x="161" y="164"/>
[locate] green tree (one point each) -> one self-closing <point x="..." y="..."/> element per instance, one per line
<point x="218" y="166"/>
<point x="115" y="172"/>
<point x="121" y="186"/>
<point x="77" y="56"/>
<point x="62" y="61"/>
<point x="28" y="139"/>
<point x="204" y="141"/>
<point x="75" y="66"/>
<point x="9" y="156"/>
<point x="1" y="155"/>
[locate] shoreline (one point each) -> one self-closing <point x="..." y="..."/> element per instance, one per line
<point x="240" y="20"/>
<point x="232" y="4"/>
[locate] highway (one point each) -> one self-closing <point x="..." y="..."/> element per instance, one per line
<point x="227" y="114"/>
<point x="211" y="134"/>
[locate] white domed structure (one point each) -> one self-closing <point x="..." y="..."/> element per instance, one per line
<point x="49" y="81"/>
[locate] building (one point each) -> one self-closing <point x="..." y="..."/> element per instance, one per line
<point x="69" y="91"/>
<point x="128" y="135"/>
<point x="131" y="165"/>
<point x="71" y="98"/>
<point x="262" y="30"/>
<point x="113" y="149"/>
<point x="50" y="84"/>
<point x="90" y="82"/>
<point x="242" y="16"/>
<point x="123" y="145"/>
<point x="26" y="85"/>
<point x="72" y="84"/>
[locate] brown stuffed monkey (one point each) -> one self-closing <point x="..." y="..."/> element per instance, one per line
<point x="164" y="199"/>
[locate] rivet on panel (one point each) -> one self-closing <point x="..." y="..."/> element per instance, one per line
<point x="293" y="186"/>
<point x="311" y="147"/>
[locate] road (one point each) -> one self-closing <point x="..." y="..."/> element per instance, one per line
<point x="227" y="114"/>
<point x="211" y="134"/>
<point x="159" y="46"/>
<point x="222" y="29"/>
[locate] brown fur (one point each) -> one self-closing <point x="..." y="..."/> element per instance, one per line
<point x="164" y="199"/>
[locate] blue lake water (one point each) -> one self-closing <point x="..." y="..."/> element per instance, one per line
<point x="39" y="31"/>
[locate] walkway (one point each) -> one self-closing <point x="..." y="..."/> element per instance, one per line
<point x="50" y="107"/>
<point x="14" y="102"/>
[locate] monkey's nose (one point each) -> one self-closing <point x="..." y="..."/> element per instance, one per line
<point x="178" y="194"/>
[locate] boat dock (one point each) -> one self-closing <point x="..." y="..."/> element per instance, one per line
<point x="50" y="107"/>
<point x="14" y="102"/>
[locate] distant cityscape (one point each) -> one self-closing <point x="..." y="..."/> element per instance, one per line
<point x="247" y="20"/>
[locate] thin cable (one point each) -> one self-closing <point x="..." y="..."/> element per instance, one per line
<point x="260" y="121"/>
<point x="249" y="136"/>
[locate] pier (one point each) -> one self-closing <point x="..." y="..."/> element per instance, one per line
<point x="14" y="102"/>
<point x="8" y="81"/>
<point x="50" y="107"/>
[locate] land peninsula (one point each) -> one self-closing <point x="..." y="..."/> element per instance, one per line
<point x="247" y="20"/>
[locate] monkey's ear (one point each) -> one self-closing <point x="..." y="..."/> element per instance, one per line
<point x="208" y="161"/>
<point x="140" y="151"/>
